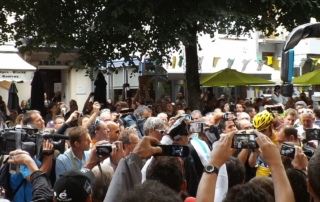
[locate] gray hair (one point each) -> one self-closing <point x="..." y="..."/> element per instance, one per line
<point x="151" y="124"/>
<point x="194" y="112"/>
<point x="162" y="113"/>
<point x="139" y="111"/>
<point x="98" y="192"/>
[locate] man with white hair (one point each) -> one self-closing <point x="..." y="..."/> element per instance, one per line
<point x="243" y="116"/>
<point x="307" y="121"/>
<point x="163" y="116"/>
<point x="196" y="115"/>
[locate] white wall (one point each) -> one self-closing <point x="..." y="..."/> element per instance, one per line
<point x="24" y="91"/>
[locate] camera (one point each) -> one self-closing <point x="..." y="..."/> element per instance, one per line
<point x="29" y="139"/>
<point x="104" y="150"/>
<point x="277" y="108"/>
<point x="244" y="141"/>
<point x="196" y="127"/>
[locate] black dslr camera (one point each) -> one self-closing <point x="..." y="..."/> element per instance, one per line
<point x="277" y="108"/>
<point x="28" y="139"/>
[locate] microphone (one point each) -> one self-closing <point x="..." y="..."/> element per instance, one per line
<point x="56" y="136"/>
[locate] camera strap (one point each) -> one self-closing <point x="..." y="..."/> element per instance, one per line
<point x="103" y="177"/>
<point x="72" y="159"/>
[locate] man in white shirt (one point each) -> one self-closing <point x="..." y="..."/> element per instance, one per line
<point x="277" y="98"/>
<point x="307" y="120"/>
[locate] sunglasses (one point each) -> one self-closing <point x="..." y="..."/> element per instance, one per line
<point x="306" y="112"/>
<point x="162" y="132"/>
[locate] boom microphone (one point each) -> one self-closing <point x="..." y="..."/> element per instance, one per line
<point x="55" y="136"/>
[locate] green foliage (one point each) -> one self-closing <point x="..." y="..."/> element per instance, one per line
<point x="106" y="30"/>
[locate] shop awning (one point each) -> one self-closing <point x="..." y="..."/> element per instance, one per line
<point x="14" y="68"/>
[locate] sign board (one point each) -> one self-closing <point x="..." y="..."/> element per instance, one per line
<point x="81" y="90"/>
<point x="16" y="75"/>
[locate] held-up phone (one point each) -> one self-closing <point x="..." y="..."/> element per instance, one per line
<point x="104" y="150"/>
<point x="244" y="141"/>
<point x="14" y="169"/>
<point x="174" y="150"/>
<point x="196" y="127"/>
<point x="287" y="150"/>
<point x="313" y="135"/>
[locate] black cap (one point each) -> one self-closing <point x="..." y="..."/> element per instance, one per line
<point x="74" y="185"/>
<point x="277" y="87"/>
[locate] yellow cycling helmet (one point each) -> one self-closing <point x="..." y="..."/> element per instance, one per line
<point x="262" y="120"/>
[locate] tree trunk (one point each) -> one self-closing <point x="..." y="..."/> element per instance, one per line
<point x="192" y="74"/>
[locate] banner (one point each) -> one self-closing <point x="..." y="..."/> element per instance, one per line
<point x="16" y="75"/>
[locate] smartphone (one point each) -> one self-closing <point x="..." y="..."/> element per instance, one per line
<point x="244" y="141"/>
<point x="104" y="150"/>
<point x="196" y="127"/>
<point x="174" y="150"/>
<point x="14" y="169"/>
<point x="287" y="150"/>
<point x="312" y="134"/>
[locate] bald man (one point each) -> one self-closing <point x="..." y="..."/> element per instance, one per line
<point x="114" y="131"/>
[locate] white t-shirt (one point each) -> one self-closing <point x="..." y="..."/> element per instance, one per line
<point x="301" y="131"/>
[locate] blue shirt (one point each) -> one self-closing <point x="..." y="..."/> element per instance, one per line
<point x="64" y="162"/>
<point x="25" y="191"/>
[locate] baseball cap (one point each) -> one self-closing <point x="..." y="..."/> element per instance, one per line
<point x="74" y="185"/>
<point x="300" y="103"/>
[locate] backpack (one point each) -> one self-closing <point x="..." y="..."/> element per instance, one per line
<point x="5" y="188"/>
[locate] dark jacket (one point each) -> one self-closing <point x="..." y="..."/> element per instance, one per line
<point x="41" y="187"/>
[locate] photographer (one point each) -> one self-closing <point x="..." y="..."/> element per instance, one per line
<point x="41" y="188"/>
<point x="23" y="179"/>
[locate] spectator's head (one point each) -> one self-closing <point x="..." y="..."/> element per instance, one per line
<point x="243" y="116"/>
<point x="265" y="183"/>
<point x="316" y="112"/>
<point x="227" y="126"/>
<point x="286" y="134"/>
<point x="298" y="184"/>
<point x="52" y="108"/>
<point x="196" y="115"/>
<point x="83" y="119"/>
<point x="18" y="120"/>
<point x="154" y="127"/>
<point x="152" y="190"/>
<point x="73" y="108"/>
<point x="98" y="130"/>
<point x="300" y="105"/>
<point x="99" y="189"/>
<point x="263" y="121"/>
<point x="129" y="139"/>
<point x="239" y="108"/>
<point x="79" y="139"/>
<point x="169" y="171"/>
<point x="313" y="182"/>
<point x="187" y="110"/>
<point x="58" y="121"/>
<point x="179" y="132"/>
<point x="277" y="89"/>
<point x="163" y="116"/>
<point x="236" y="172"/>
<point x="169" y="107"/>
<point x="290" y="116"/>
<point x="114" y="131"/>
<point x="248" y="192"/>
<point x="244" y="125"/>
<point x="143" y="112"/>
<point x="307" y="118"/>
<point x="251" y="111"/>
<point x="178" y="106"/>
<point x="13" y="114"/>
<point x="33" y="118"/>
<point x="105" y="115"/>
<point x="74" y="185"/>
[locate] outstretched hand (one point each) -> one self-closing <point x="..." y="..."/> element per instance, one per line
<point x="144" y="148"/>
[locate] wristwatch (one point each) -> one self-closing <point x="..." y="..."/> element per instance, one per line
<point x="211" y="169"/>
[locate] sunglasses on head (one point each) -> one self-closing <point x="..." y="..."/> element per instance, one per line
<point x="98" y="120"/>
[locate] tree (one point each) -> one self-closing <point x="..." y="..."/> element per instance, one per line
<point x="104" y="30"/>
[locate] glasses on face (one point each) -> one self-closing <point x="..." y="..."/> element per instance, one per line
<point x="162" y="132"/>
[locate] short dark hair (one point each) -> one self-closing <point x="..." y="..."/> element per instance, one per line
<point x="290" y="130"/>
<point x="316" y="112"/>
<point x="236" y="172"/>
<point x="167" y="170"/>
<point x="151" y="190"/>
<point x="76" y="133"/>
<point x="93" y="126"/>
<point x="298" y="184"/>
<point x="27" y="119"/>
<point x="124" y="136"/>
<point x="249" y="109"/>
<point x="265" y="183"/>
<point x="248" y="192"/>
<point x="313" y="172"/>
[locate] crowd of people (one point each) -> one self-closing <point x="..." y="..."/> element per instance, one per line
<point x="131" y="166"/>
